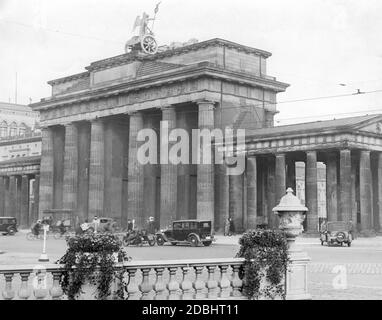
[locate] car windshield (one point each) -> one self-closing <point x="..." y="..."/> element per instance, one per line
<point x="337" y="226"/>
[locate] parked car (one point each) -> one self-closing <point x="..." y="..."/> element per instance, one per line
<point x="193" y="232"/>
<point x="336" y="232"/>
<point x="8" y="225"/>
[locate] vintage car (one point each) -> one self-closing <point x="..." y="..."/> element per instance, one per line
<point x="104" y="225"/>
<point x="193" y="232"/>
<point x="8" y="225"/>
<point x="336" y="232"/>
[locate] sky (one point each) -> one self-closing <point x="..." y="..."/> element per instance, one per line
<point x="322" y="48"/>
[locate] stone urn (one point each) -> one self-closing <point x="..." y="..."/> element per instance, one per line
<point x="292" y="214"/>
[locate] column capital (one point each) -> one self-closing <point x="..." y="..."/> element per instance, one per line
<point x="208" y="104"/>
<point x="166" y="107"/>
<point x="134" y="113"/>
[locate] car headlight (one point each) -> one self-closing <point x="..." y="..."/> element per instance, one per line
<point x="208" y="237"/>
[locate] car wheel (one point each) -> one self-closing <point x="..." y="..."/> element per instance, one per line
<point x="193" y="240"/>
<point x="207" y="243"/>
<point x="57" y="235"/>
<point x="152" y="242"/>
<point x="30" y="236"/>
<point x="11" y="231"/>
<point x="349" y="244"/>
<point x="160" y="241"/>
<point x="125" y="242"/>
<point x="173" y="243"/>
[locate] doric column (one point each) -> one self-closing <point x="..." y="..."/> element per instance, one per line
<point x="18" y="201"/>
<point x="280" y="176"/>
<point x="183" y="175"/>
<point x="24" y="203"/>
<point x="331" y="187"/>
<point x="270" y="193"/>
<point x="135" y="185"/>
<point x="6" y="196"/>
<point x="251" y="193"/>
<point x="291" y="174"/>
<point x="12" y="198"/>
<point x="36" y="196"/>
<point x="169" y="182"/>
<point x="205" y="171"/>
<point x="70" y="167"/>
<point x="345" y="185"/>
<point x="379" y="195"/>
<point x="96" y="169"/>
<point x="2" y="195"/>
<point x="46" y="171"/>
<point x="222" y="197"/>
<point x="236" y="201"/>
<point x="365" y="187"/>
<point x="311" y="191"/>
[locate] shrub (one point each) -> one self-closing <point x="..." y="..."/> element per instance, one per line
<point x="92" y="257"/>
<point x="265" y="253"/>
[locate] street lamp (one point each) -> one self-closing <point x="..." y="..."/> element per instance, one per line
<point x="44" y="256"/>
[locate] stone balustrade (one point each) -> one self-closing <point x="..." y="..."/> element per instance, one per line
<point x="146" y="280"/>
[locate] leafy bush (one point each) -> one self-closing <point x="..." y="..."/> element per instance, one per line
<point x="265" y="253"/>
<point x="92" y="257"/>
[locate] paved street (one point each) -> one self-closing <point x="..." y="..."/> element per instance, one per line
<point x="361" y="263"/>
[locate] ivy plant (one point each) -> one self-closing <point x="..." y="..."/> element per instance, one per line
<point x="92" y="257"/>
<point x="266" y="254"/>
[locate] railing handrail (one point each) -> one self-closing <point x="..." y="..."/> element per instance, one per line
<point x="51" y="267"/>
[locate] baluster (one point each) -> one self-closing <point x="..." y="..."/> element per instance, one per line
<point x="145" y="286"/>
<point x="212" y="284"/>
<point x="8" y="292"/>
<point x="160" y="286"/>
<point x="24" y="291"/>
<point x="224" y="283"/>
<point x="199" y="285"/>
<point x="236" y="282"/>
<point x="40" y="287"/>
<point x="173" y="285"/>
<point x="56" y="290"/>
<point x="133" y="292"/>
<point x="186" y="285"/>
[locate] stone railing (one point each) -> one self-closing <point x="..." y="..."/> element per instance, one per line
<point x="146" y="280"/>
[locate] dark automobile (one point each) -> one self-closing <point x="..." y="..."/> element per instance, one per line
<point x="193" y="232"/>
<point x="8" y="225"/>
<point x="336" y="232"/>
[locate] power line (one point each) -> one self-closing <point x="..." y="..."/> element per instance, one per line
<point x="58" y="31"/>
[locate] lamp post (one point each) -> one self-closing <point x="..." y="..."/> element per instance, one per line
<point x="292" y="213"/>
<point x="44" y="256"/>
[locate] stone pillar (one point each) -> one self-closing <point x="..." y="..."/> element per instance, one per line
<point x="36" y="197"/>
<point x="12" y="197"/>
<point x="135" y="186"/>
<point x="183" y="175"/>
<point x="345" y="185"/>
<point x="331" y="187"/>
<point x="169" y="181"/>
<point x="354" y="193"/>
<point x="270" y="194"/>
<point x="251" y="193"/>
<point x="280" y="176"/>
<point x="291" y="174"/>
<point x="221" y="197"/>
<point x="18" y="202"/>
<point x="311" y="191"/>
<point x="46" y="171"/>
<point x="24" y="203"/>
<point x="365" y="185"/>
<point x="205" y="172"/>
<point x="6" y="196"/>
<point x="96" y="169"/>
<point x="70" y="167"/>
<point x="236" y="201"/>
<point x="2" y="196"/>
<point x="379" y="195"/>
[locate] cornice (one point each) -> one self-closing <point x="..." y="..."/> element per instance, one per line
<point x="81" y="75"/>
<point x="172" y="76"/>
